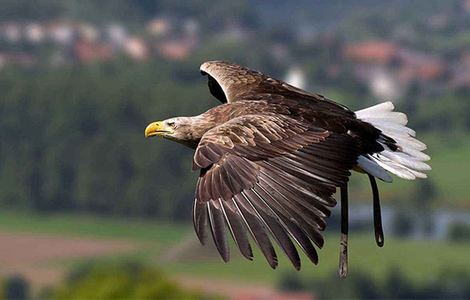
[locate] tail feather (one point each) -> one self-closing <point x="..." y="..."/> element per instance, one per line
<point x="404" y="160"/>
<point x="408" y="160"/>
<point x="374" y="169"/>
<point x="406" y="141"/>
<point x="397" y="129"/>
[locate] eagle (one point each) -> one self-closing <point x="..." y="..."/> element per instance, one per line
<point x="272" y="156"/>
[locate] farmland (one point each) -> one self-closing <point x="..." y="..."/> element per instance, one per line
<point x="174" y="249"/>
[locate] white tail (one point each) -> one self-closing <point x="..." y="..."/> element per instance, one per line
<point x="408" y="161"/>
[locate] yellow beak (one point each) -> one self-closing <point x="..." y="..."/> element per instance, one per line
<point x="155" y="129"/>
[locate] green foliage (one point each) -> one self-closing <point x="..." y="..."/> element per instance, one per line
<point x="127" y="11"/>
<point x="403" y="223"/>
<point x="459" y="232"/>
<point x="15" y="287"/>
<point x="120" y="281"/>
<point x="72" y="138"/>
<point x="449" y="284"/>
<point x="448" y="113"/>
<point x="424" y="193"/>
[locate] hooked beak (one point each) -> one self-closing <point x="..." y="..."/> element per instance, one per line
<point x="156" y="129"/>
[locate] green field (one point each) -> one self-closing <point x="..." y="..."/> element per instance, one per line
<point x="420" y="260"/>
<point x="92" y="226"/>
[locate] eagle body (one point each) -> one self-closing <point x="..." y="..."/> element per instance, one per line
<point x="272" y="156"/>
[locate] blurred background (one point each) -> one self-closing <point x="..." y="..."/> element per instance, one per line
<point x="90" y="209"/>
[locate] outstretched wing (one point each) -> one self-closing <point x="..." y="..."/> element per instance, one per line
<point x="227" y="81"/>
<point x="230" y="82"/>
<point x="269" y="175"/>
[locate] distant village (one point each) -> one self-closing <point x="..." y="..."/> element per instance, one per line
<point x="386" y="67"/>
<point x="84" y="42"/>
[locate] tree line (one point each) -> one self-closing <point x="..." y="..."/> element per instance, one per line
<point x="71" y="138"/>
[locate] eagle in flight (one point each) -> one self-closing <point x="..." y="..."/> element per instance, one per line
<point x="271" y="156"/>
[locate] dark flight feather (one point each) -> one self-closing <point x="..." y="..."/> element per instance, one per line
<point x="289" y="222"/>
<point x="273" y="225"/>
<point x="200" y="220"/>
<point x="257" y="231"/>
<point x="217" y="225"/>
<point x="237" y="228"/>
<point x="272" y="156"/>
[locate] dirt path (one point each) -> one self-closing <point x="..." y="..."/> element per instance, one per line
<point x="28" y="254"/>
<point x="240" y="291"/>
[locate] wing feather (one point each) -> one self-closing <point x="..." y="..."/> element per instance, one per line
<point x="257" y="231"/>
<point x="217" y="225"/>
<point x="272" y="224"/>
<point x="237" y="229"/>
<point x="309" y="213"/>
<point x="200" y="220"/>
<point x="274" y="177"/>
<point x="290" y="222"/>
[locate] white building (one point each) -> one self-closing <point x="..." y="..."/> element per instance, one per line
<point x="295" y="76"/>
<point x="61" y="33"/>
<point x="34" y="33"/>
<point x="117" y="35"/>
<point x="384" y="86"/>
<point x="88" y="32"/>
<point x="136" y="48"/>
<point x="12" y="32"/>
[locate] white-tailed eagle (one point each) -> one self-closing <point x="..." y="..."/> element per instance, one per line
<point x="272" y="156"/>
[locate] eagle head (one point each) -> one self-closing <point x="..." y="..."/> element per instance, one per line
<point x="184" y="130"/>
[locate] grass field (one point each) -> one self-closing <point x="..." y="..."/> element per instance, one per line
<point x="94" y="226"/>
<point x="418" y="259"/>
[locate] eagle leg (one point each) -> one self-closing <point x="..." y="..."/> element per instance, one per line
<point x="379" y="234"/>
<point x="343" y="250"/>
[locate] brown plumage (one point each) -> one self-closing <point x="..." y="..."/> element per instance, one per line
<point x="272" y="156"/>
